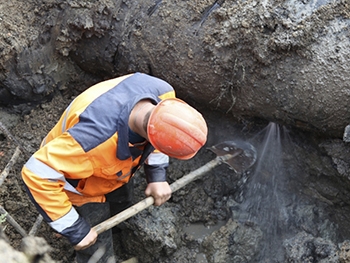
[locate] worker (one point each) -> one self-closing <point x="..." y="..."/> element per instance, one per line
<point x="83" y="172"/>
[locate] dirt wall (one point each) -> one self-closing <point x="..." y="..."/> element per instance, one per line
<point x="283" y="61"/>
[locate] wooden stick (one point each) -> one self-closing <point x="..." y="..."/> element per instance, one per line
<point x="12" y="138"/>
<point x="13" y="222"/>
<point x="186" y="179"/>
<point x="131" y="260"/>
<point x="147" y="202"/>
<point x="36" y="226"/>
<point x="3" y="177"/>
<point x="9" y="165"/>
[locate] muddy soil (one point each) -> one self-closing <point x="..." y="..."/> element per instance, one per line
<point x="283" y="60"/>
<point x="29" y="131"/>
<point x="311" y="209"/>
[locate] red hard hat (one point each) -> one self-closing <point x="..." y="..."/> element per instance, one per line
<point x="176" y="129"/>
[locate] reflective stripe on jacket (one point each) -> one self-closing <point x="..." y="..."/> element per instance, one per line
<point x="87" y="154"/>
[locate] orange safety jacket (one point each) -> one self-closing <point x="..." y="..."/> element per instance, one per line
<point x="88" y="154"/>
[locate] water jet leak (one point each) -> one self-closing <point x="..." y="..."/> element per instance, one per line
<point x="264" y="193"/>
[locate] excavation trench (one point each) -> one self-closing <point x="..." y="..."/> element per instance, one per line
<point x="291" y="205"/>
<point x="240" y="63"/>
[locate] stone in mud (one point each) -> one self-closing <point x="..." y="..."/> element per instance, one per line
<point x="304" y="247"/>
<point x="157" y="229"/>
<point x="346" y="135"/>
<point x="344" y="252"/>
<point x="34" y="249"/>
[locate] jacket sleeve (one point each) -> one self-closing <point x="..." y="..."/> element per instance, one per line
<point x="155" y="167"/>
<point x="44" y="178"/>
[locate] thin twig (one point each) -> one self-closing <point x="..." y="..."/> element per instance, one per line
<point x="36" y="226"/>
<point x="13" y="139"/>
<point x="9" y="165"/>
<point x="131" y="260"/>
<point x="13" y="222"/>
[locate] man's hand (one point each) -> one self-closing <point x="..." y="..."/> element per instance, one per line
<point x="87" y="241"/>
<point x="160" y="191"/>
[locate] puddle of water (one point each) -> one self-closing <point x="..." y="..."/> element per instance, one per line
<point x="199" y="231"/>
